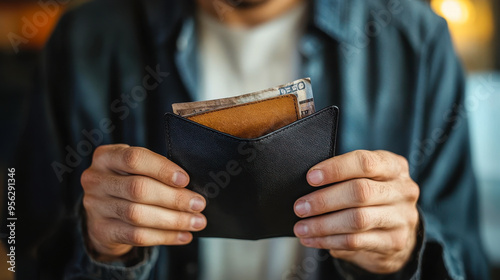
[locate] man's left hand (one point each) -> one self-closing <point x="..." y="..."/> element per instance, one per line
<point x="368" y="214"/>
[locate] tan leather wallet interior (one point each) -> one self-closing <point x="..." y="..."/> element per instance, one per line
<point x="254" y="119"/>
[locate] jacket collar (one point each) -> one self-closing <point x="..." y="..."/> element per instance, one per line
<point x="165" y="18"/>
<point x="330" y="16"/>
<point x="339" y="19"/>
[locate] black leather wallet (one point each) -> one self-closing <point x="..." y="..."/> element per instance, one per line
<point x="251" y="185"/>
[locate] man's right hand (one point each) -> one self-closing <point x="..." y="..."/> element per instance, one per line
<point x="135" y="197"/>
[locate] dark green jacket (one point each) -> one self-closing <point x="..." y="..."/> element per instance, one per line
<point x="388" y="64"/>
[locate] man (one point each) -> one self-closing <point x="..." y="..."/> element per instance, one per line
<point x="114" y="67"/>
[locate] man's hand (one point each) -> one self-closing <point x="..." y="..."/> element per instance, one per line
<point x="368" y="216"/>
<point x="134" y="197"/>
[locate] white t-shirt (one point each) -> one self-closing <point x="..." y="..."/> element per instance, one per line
<point x="238" y="60"/>
<point x="234" y="61"/>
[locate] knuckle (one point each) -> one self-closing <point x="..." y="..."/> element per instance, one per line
<point x="413" y="191"/>
<point x="403" y="163"/>
<point x="398" y="242"/>
<point x="368" y="162"/>
<point x="385" y="267"/>
<point x="362" y="191"/>
<point x="88" y="203"/>
<point x="319" y="229"/>
<point x="384" y="155"/>
<point x="320" y="242"/>
<point x="178" y="222"/>
<point x="132" y="157"/>
<point x="336" y="254"/>
<point x="182" y="221"/>
<point x="180" y="200"/>
<point x="414" y="217"/>
<point x="360" y="219"/>
<point x="320" y="203"/>
<point x="99" y="230"/>
<point x="88" y="179"/>
<point x="85" y="179"/>
<point x="391" y="266"/>
<point x="132" y="213"/>
<point x="352" y="241"/>
<point x="137" y="237"/>
<point x="94" y="230"/>
<point x="99" y="151"/>
<point x="335" y="170"/>
<point x="137" y="188"/>
<point x="165" y="171"/>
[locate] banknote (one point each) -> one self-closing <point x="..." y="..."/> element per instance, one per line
<point x="301" y="88"/>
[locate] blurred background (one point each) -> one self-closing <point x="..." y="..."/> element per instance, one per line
<point x="25" y="26"/>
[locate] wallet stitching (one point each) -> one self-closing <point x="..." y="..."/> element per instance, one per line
<point x="281" y="130"/>
<point x="254" y="102"/>
<point x="295" y="107"/>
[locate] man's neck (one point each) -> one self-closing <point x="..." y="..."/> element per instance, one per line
<point x="246" y="12"/>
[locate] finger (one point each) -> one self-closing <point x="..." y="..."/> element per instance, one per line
<point x="142" y="189"/>
<point x="377" y="165"/>
<point x="116" y="232"/>
<point x="142" y="215"/>
<point x="348" y="194"/>
<point x="374" y="241"/>
<point x="140" y="161"/>
<point x="342" y="254"/>
<point x="374" y="262"/>
<point x="351" y="220"/>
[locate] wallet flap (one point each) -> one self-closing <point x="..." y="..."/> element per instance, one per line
<point x="251" y="185"/>
<point x="253" y="119"/>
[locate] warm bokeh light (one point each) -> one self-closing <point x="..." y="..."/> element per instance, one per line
<point x="471" y="26"/>
<point x="457" y="11"/>
<point x="30" y="22"/>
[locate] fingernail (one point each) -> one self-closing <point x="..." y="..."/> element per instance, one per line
<point x="179" y="179"/>
<point x="183" y="237"/>
<point x="196" y="204"/>
<point x="197" y="222"/>
<point x="315" y="177"/>
<point x="301" y="230"/>
<point x="302" y="208"/>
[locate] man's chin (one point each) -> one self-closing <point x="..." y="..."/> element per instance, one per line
<point x="246" y="4"/>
